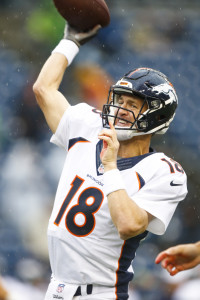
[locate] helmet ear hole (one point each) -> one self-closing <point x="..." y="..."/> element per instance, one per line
<point x="154" y="104"/>
<point x="162" y="117"/>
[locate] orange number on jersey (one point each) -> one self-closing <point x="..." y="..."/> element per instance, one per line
<point x="84" y="208"/>
<point x="173" y="165"/>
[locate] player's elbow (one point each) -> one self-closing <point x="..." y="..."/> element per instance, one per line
<point x="38" y="89"/>
<point x="40" y="92"/>
<point x="128" y="231"/>
<point x="132" y="224"/>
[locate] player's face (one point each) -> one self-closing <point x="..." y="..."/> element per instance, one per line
<point x="131" y="104"/>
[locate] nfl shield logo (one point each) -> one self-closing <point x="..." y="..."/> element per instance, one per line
<point x="101" y="169"/>
<point x="60" y="288"/>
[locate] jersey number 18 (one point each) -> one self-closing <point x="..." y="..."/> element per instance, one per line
<point x="89" y="202"/>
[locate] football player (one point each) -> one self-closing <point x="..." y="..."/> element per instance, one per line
<point x="114" y="188"/>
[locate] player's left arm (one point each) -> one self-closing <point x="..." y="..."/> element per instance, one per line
<point x="129" y="219"/>
<point x="127" y="216"/>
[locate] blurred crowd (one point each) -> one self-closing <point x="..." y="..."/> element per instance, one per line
<point x="156" y="34"/>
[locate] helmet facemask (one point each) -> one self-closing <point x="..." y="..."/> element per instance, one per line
<point x="112" y="109"/>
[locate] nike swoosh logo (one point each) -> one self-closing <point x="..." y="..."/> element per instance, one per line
<point x="175" y="184"/>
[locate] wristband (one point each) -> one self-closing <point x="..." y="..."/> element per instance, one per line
<point x="68" y="48"/>
<point x="113" y="181"/>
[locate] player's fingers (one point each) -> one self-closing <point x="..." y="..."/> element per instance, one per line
<point x="106" y="132"/>
<point x="109" y="133"/>
<point x="114" y="133"/>
<point x="111" y="125"/>
<point x="170" y="268"/>
<point x="165" y="263"/>
<point x="106" y="139"/>
<point x="96" y="28"/>
<point x="174" y="271"/>
<point x="176" y="250"/>
<point x="109" y="143"/>
<point x="160" y="257"/>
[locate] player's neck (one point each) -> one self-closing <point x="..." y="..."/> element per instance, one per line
<point x="136" y="146"/>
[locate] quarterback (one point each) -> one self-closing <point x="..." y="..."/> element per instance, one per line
<point x="114" y="188"/>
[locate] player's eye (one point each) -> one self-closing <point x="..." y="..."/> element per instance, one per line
<point x="118" y="99"/>
<point x="133" y="105"/>
<point x="120" y="102"/>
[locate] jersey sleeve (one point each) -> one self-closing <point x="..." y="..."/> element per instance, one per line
<point x="71" y="124"/>
<point x="160" y="197"/>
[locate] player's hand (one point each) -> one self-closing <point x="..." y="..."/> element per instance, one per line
<point x="79" y="38"/>
<point x="179" y="258"/>
<point x="110" y="148"/>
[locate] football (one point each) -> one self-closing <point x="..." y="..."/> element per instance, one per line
<point x="83" y="15"/>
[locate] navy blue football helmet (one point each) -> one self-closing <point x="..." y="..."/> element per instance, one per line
<point x="156" y="90"/>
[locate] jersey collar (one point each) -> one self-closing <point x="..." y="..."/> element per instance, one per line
<point x="122" y="163"/>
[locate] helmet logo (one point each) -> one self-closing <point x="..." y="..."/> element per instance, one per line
<point x="165" y="89"/>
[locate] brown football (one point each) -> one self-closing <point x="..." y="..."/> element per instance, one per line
<point x="84" y="14"/>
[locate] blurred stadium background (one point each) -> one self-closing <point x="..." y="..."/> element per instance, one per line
<point x="164" y="35"/>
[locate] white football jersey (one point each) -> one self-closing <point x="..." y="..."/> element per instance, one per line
<point x="84" y="244"/>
